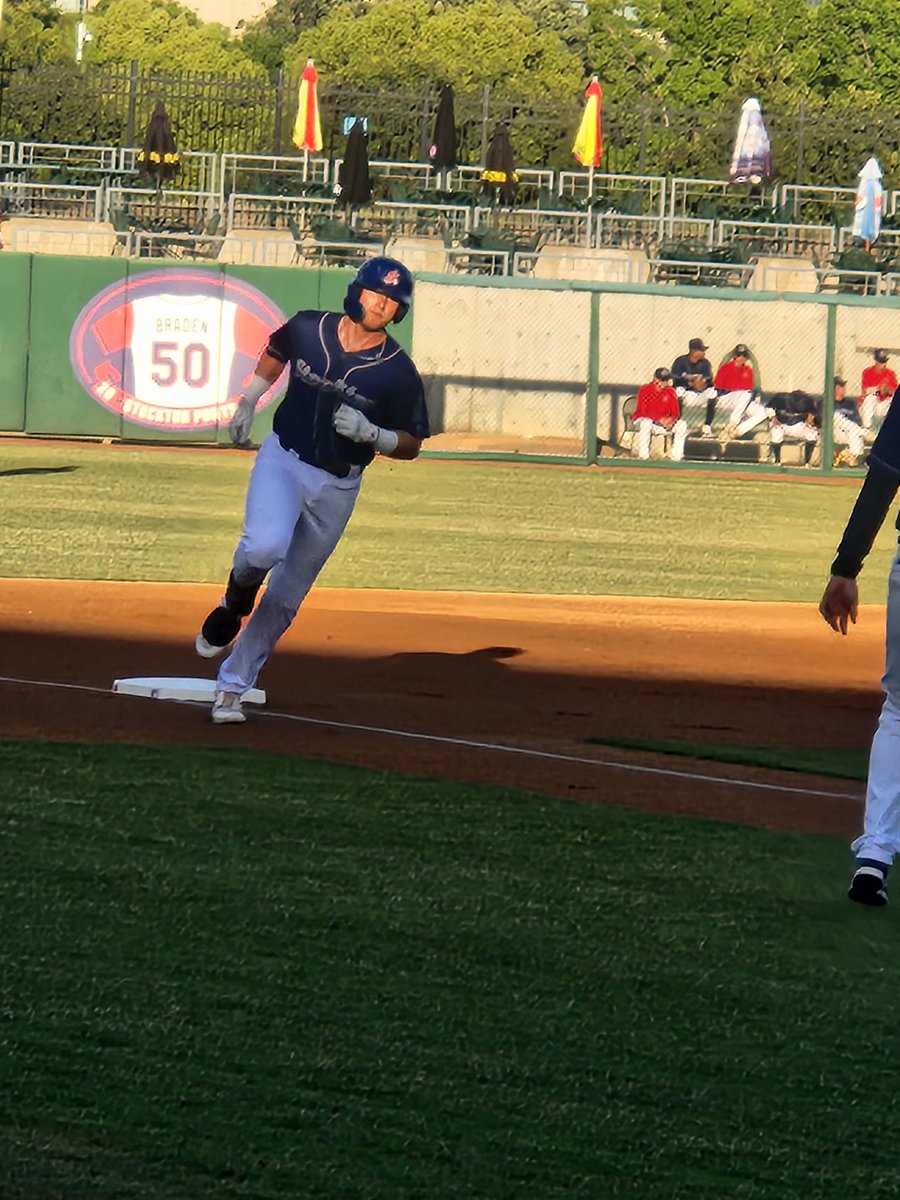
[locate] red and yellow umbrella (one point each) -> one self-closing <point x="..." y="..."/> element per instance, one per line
<point x="307" y="133"/>
<point x="588" y="147"/>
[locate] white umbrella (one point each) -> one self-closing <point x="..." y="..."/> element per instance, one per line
<point x="869" y="198"/>
<point x="751" y="161"/>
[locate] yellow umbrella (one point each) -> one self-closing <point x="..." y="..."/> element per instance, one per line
<point x="588" y="147"/>
<point x="307" y="133"/>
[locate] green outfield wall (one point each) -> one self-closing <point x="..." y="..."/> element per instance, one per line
<point x="520" y="368"/>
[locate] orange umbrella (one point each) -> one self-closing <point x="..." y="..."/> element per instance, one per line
<point x="588" y="146"/>
<point x="307" y="133"/>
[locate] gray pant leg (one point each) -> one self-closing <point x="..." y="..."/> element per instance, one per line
<point x="880" y="839"/>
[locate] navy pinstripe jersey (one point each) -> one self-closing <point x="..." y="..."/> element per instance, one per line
<point x="383" y="383"/>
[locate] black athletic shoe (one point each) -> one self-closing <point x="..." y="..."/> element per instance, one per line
<point x="219" y="630"/>
<point x="867" y="887"/>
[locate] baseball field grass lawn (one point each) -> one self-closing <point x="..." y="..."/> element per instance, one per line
<point x="225" y="974"/>
<point x="114" y="512"/>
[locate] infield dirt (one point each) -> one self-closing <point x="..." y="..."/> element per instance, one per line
<point x="468" y="674"/>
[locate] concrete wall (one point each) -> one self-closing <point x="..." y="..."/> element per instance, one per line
<point x="503" y="363"/>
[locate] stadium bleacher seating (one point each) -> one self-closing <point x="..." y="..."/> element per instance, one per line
<point x="566" y="224"/>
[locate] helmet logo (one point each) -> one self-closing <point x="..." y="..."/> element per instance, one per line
<point x="392" y="278"/>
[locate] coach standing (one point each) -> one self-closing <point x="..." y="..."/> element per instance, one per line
<point x="879" y="842"/>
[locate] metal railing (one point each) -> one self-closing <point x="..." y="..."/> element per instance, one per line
<point x="198" y="168"/>
<point x="815" y="202"/>
<point x="169" y="206"/>
<point x="599" y="186"/>
<point x="531" y="179"/>
<point x="248" y="211"/>
<point x="558" y="226"/>
<point x="705" y="274"/>
<point x="774" y="237"/>
<point x="52" y="155"/>
<point x="860" y="283"/>
<point x="23" y="198"/>
<point x="626" y="232"/>
<point x="694" y="229"/>
<point x="417" y="174"/>
<point x="7" y="153"/>
<point x="417" y="218"/>
<point x="689" y="197"/>
<point x="286" y="174"/>
<point x="888" y="240"/>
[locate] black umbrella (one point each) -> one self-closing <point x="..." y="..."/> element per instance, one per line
<point x="159" y="157"/>
<point x="354" y="186"/>
<point x="443" y="149"/>
<point x="499" y="179"/>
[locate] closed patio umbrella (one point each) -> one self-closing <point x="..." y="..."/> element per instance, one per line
<point x="588" y="146"/>
<point x="159" y="156"/>
<point x="444" y="140"/>
<point x="499" y="179"/>
<point x="869" y="204"/>
<point x="307" y="134"/>
<point x="751" y="161"/>
<point x="354" y="187"/>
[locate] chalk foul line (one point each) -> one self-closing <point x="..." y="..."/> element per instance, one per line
<point x="469" y="744"/>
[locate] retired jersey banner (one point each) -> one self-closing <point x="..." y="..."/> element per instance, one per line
<point x="171" y="349"/>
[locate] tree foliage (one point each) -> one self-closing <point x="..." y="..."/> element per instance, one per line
<point x="674" y="74"/>
<point x="163" y="35"/>
<point x="400" y="43"/>
<point x="34" y="31"/>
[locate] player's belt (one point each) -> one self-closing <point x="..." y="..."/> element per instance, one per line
<point x="339" y="470"/>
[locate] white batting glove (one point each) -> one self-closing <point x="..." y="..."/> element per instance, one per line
<point x="240" y="423"/>
<point x="351" y="423"/>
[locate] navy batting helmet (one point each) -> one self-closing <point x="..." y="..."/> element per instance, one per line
<point x="383" y="275"/>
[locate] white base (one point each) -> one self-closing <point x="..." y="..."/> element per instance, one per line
<point x="179" y="689"/>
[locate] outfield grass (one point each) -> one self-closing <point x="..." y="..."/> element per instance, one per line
<point x="112" y="512"/>
<point x="225" y="974"/>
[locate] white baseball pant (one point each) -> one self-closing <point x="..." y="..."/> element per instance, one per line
<point x="746" y="410"/>
<point x="294" y="517"/>
<point x="872" y="408"/>
<point x="880" y="838"/>
<point x="847" y="432"/>
<point x="646" y="427"/>
<point x="798" y="431"/>
<point x="696" y="400"/>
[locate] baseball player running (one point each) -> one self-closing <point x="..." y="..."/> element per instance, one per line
<point x="352" y="391"/>
<point x="879" y="842"/>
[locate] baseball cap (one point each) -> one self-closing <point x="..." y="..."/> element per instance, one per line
<point x="740" y="351"/>
<point x="697" y="344"/>
<point x="880" y="355"/>
<point x="662" y="373"/>
<point x="840" y="381"/>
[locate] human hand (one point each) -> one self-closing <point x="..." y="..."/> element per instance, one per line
<point x="666" y="422"/>
<point x="839" y="602"/>
<point x="351" y="423"/>
<point x="241" y="421"/>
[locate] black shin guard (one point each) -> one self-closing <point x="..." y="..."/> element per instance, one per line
<point x="240" y="598"/>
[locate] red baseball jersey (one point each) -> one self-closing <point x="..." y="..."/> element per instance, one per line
<point x="877" y="377"/>
<point x="732" y="378"/>
<point x="655" y="403"/>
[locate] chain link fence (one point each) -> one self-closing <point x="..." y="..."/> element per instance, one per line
<point x="524" y="371"/>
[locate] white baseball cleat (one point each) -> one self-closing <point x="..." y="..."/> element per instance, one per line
<point x="206" y="649"/>
<point x="227" y="709"/>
